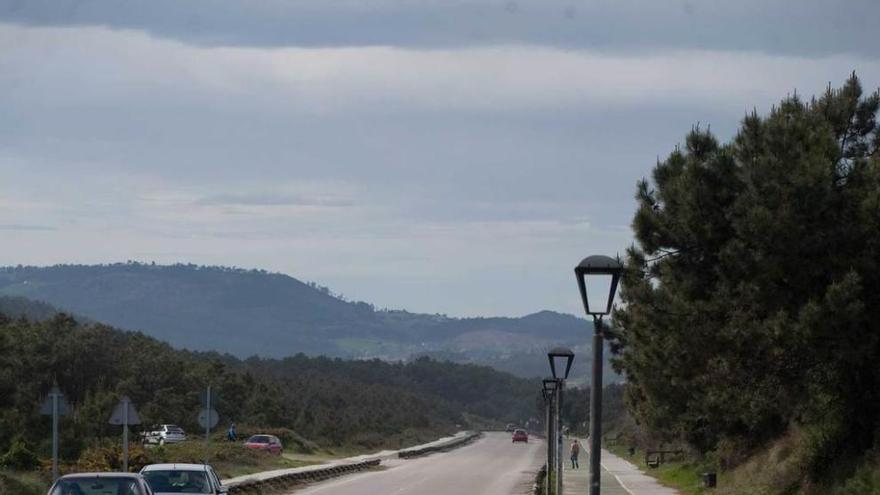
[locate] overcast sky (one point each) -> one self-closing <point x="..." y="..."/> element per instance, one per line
<point x="441" y="156"/>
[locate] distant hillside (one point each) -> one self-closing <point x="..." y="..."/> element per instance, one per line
<point x="254" y="312"/>
<point x="21" y="307"/>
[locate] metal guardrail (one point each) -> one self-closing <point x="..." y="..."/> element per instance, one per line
<point x="458" y="442"/>
<point x="284" y="482"/>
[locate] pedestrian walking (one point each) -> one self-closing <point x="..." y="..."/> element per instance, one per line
<point x="231" y="434"/>
<point x="575" y="450"/>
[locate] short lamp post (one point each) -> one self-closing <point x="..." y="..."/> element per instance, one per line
<point x="560" y="359"/>
<point x="549" y="393"/>
<point x="597" y="276"/>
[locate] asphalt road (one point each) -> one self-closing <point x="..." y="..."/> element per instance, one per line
<point x="489" y="466"/>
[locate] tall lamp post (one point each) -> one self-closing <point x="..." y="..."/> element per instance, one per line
<point x="599" y="276"/>
<point x="560" y="364"/>
<point x="549" y="393"/>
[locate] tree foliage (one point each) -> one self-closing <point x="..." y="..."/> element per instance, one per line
<point x="331" y="401"/>
<point x="752" y="297"/>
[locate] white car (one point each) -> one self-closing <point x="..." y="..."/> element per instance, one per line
<point x="166" y="479"/>
<point x="100" y="483"/>
<point x="162" y="434"/>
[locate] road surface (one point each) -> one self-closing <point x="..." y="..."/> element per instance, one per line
<point x="490" y="466"/>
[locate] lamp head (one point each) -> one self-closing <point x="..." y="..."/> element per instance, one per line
<point x="597" y="278"/>
<point x="560" y="359"/>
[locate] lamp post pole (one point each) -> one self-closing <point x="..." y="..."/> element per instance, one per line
<point x="549" y="404"/>
<point x="596" y="407"/>
<point x="558" y="438"/>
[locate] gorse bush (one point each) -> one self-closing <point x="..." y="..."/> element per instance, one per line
<point x="19" y="456"/>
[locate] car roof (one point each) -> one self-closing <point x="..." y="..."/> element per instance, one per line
<point x="175" y="467"/>
<point x="102" y="475"/>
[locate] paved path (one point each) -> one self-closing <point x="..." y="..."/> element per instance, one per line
<point x="619" y="477"/>
<point x="490" y="466"/>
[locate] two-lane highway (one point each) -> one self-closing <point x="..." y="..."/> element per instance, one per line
<point x="490" y="466"/>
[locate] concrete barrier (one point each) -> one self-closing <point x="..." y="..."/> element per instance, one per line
<point x="261" y="485"/>
<point x="443" y="447"/>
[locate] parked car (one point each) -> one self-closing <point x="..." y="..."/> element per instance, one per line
<point x="162" y="434"/>
<point x="520" y="436"/>
<point x="267" y="443"/>
<point x="100" y="484"/>
<point x="182" y="478"/>
<point x="510" y="428"/>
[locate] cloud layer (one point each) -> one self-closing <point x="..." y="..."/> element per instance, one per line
<point x="417" y="167"/>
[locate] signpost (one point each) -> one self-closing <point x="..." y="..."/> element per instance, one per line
<point x="54" y="406"/>
<point x="208" y="418"/>
<point x="125" y="414"/>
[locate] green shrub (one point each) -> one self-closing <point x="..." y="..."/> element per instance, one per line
<point x="19" y="456"/>
<point x="865" y="481"/>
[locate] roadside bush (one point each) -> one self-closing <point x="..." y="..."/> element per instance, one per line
<point x="107" y="456"/>
<point x="12" y="485"/>
<point x="19" y="456"/>
<point x="866" y="481"/>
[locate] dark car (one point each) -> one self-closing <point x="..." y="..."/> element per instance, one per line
<point x="520" y="436"/>
<point x="101" y="483"/>
<point x="266" y="443"/>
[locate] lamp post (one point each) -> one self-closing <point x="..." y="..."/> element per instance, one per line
<point x="550" y="385"/>
<point x="599" y="276"/>
<point x="548" y="398"/>
<point x="560" y="359"/>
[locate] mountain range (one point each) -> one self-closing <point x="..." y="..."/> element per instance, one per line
<point x="255" y="312"/>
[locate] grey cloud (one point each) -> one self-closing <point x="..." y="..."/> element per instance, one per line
<point x="26" y="227"/>
<point x="808" y="27"/>
<point x="271" y="199"/>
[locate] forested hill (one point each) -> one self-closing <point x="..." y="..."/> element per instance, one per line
<point x="331" y="401"/>
<point x="254" y="312"/>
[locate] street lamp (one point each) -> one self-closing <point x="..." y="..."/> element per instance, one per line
<point x="597" y="275"/>
<point x="560" y="358"/>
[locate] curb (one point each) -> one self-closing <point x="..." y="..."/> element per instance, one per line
<point x="453" y="444"/>
<point x="285" y="481"/>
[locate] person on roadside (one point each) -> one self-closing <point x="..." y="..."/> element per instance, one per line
<point x="575" y="451"/>
<point x="231" y="434"/>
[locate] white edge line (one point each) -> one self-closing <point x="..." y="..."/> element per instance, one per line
<point x="619" y="482"/>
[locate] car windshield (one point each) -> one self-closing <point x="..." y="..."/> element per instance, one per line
<point x="178" y="481"/>
<point x="96" y="486"/>
<point x="259" y="439"/>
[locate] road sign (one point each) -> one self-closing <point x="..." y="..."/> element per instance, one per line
<point x="54" y="406"/>
<point x="48" y="407"/>
<point x="125" y="414"/>
<point x="208" y="418"/>
<point x="119" y="416"/>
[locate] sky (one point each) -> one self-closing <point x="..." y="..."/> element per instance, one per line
<point x="440" y="156"/>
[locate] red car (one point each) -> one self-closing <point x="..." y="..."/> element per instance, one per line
<point x="520" y="436"/>
<point x="266" y="443"/>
